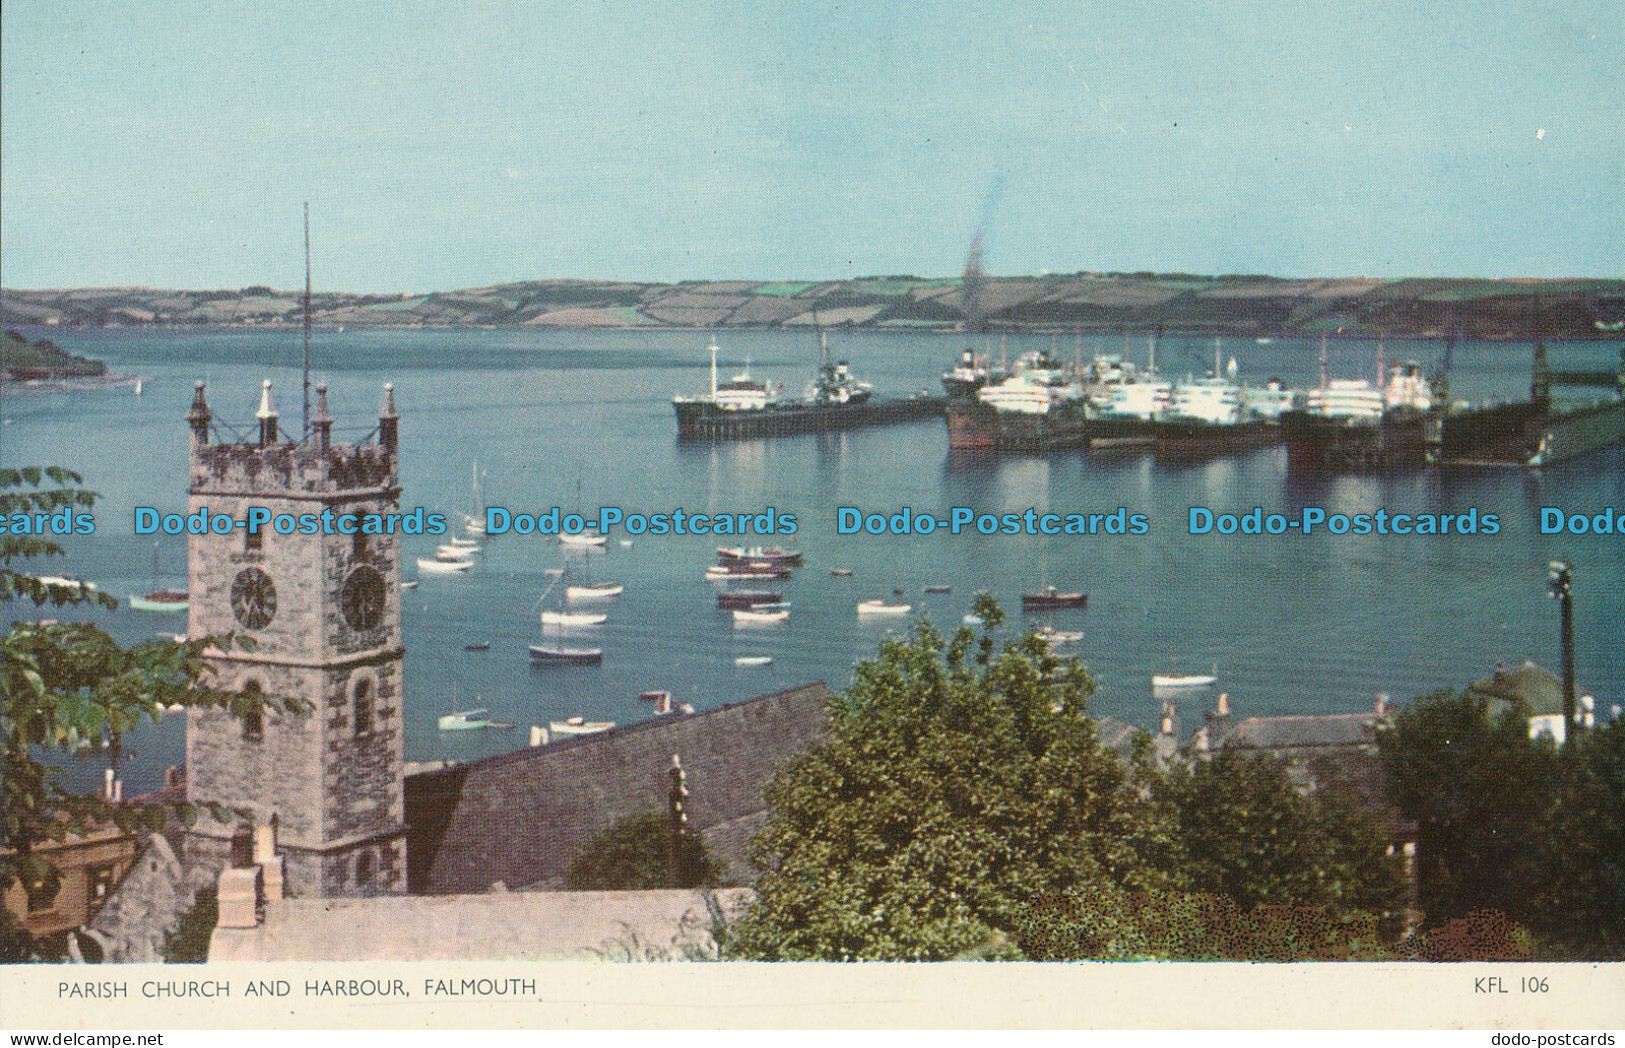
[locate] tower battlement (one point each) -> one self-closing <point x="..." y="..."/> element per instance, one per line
<point x="314" y="468"/>
<point x="292" y="470"/>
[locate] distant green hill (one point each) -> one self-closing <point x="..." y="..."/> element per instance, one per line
<point x="1173" y="303"/>
<point x="21" y="360"/>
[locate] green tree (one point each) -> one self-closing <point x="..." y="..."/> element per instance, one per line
<point x="1581" y="898"/>
<point x="952" y="791"/>
<point x="1478" y="789"/>
<point x="1251" y="837"/>
<point x="635" y="854"/>
<point x="1514" y="826"/>
<point x="67" y="685"/>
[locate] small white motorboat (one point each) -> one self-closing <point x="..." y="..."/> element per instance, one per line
<point x="1054" y="636"/>
<point x="603" y="592"/>
<point x="409" y="584"/>
<point x="724" y="572"/>
<point x="578" y="726"/>
<point x="880" y="607"/>
<point x="436" y="566"/>
<point x="752" y="617"/>
<point x="754" y="660"/>
<point x="1175" y="682"/>
<point x="573" y="618"/>
<point x="465" y="720"/>
<point x="455" y="552"/>
<point x="555" y="655"/>
<point x="770" y="554"/>
<point x="585" y="538"/>
<point x="972" y="620"/>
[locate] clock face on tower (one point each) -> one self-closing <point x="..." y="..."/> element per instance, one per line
<point x="253" y="598"/>
<point x="362" y="599"/>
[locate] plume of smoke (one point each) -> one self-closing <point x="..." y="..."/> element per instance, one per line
<point x="973" y="282"/>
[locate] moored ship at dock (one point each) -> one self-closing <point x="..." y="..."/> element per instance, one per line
<point x="1039" y="406"/>
<point x="1350" y="424"/>
<point x="1124" y="402"/>
<point x="1539" y="431"/>
<point x="1218" y="414"/>
<point x="746" y="407"/>
<point x="973" y="371"/>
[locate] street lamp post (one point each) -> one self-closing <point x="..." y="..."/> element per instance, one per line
<point x="1561" y="588"/>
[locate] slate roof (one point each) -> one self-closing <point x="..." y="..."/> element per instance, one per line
<point x="520" y="818"/>
<point x="1333" y="756"/>
<point x="1346" y="730"/>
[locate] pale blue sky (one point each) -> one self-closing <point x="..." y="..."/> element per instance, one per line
<point x="446" y="145"/>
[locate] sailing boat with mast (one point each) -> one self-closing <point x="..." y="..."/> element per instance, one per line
<point x="160" y="600"/>
<point x="594" y="591"/>
<point x="552" y="650"/>
<point x="585" y="538"/>
<point x="476" y="525"/>
<point x="569" y="619"/>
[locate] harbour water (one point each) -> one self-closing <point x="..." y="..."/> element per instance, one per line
<point x="579" y="420"/>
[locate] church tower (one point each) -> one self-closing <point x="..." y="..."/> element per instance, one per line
<point x="324" y="612"/>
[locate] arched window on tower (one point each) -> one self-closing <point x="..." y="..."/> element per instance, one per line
<point x="254" y="715"/>
<point x="363" y="717"/>
<point x="358" y="545"/>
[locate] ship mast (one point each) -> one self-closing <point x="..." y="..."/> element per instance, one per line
<point x="305" y="435"/>
<point x="1382" y="367"/>
<point x="823" y="340"/>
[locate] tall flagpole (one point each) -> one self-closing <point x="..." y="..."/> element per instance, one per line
<point x="306" y="435"/>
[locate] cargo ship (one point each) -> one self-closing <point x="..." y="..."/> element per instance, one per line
<point x="747" y="407"/>
<point x="973" y="371"/>
<point x="1218" y="415"/>
<point x="1039" y="406"/>
<point x="1352" y="424"/>
<point x="1539" y="431"/>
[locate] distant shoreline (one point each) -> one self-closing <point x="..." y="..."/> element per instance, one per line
<point x="69" y="383"/>
<point x="1510" y="339"/>
<point x="1051" y="304"/>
